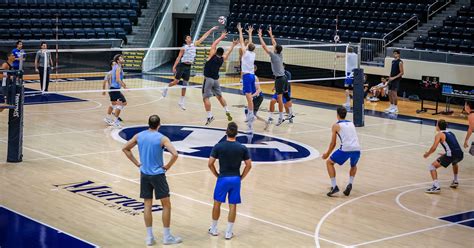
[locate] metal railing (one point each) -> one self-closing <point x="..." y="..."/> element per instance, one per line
<point x="435" y="56"/>
<point x="372" y="51"/>
<point x="435" y="5"/>
<point x="158" y="17"/>
<point x="199" y="19"/>
<point x="401" y="26"/>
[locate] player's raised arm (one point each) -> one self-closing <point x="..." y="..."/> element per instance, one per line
<point x="270" y="33"/>
<point x="205" y="35"/>
<point x="215" y="43"/>
<point x="229" y="51"/>
<point x="262" y="42"/>
<point x="249" y="32"/>
<point x="243" y="48"/>
<point x="178" y="59"/>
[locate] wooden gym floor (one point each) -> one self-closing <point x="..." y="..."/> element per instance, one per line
<point x="284" y="204"/>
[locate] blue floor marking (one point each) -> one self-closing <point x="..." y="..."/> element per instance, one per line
<point x="467" y="218"/>
<point x="20" y="231"/>
<point x="34" y="97"/>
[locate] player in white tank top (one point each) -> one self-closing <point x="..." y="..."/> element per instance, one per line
<point x="186" y="57"/>
<point x="349" y="149"/>
<point x="352" y="62"/>
<point x="248" y="74"/>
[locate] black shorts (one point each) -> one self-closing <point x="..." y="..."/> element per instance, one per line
<point x="158" y="183"/>
<point x="257" y="101"/>
<point x="286" y="96"/>
<point x="445" y="161"/>
<point x="183" y="71"/>
<point x="281" y="84"/>
<point x="116" y="95"/>
<point x="395" y="84"/>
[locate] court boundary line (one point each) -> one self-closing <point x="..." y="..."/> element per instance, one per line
<point x="42" y="223"/>
<point x="182" y="196"/>
<point x="334" y="209"/>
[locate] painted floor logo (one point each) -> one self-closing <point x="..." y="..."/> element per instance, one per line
<point x="197" y="142"/>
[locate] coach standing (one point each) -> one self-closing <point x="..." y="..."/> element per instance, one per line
<point x="230" y="154"/>
<point x="43" y="63"/>
<point x="151" y="144"/>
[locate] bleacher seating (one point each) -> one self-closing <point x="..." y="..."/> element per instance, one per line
<point x="316" y="19"/>
<point x="75" y="19"/>
<point x="456" y="34"/>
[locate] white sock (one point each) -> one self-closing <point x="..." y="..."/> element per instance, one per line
<point x="351" y="179"/>
<point x="226" y="109"/>
<point x="290" y="110"/>
<point x="280" y="115"/>
<point x="348" y="100"/>
<point x="455" y="177"/>
<point x="333" y="182"/>
<point x="149" y="232"/>
<point x="181" y="100"/>
<point x="250" y="114"/>
<point x="436" y="183"/>
<point x="214" y="225"/>
<point x="209" y="114"/>
<point x="230" y="225"/>
<point x="395" y="106"/>
<point x="166" y="232"/>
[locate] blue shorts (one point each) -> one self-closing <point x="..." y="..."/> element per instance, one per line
<point x="275" y="96"/>
<point x="228" y="186"/>
<point x="340" y="157"/>
<point x="349" y="80"/>
<point x="248" y="82"/>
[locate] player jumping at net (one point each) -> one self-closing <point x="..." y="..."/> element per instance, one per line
<point x="248" y="73"/>
<point x="453" y="155"/>
<point x="349" y="149"/>
<point x="117" y="99"/>
<point x="211" y="86"/>
<point x="230" y="154"/>
<point x="183" y="63"/>
<point x="281" y="82"/>
<point x="257" y="98"/>
<point x="287" y="104"/>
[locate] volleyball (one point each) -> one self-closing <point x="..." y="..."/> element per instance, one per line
<point x="222" y="20"/>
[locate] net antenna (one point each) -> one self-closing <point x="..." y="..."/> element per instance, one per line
<point x="57" y="47"/>
<point x="336" y="41"/>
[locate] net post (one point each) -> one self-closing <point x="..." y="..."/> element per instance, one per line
<point x="358" y="100"/>
<point x="15" y="118"/>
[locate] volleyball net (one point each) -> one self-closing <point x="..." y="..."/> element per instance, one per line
<point x="72" y="71"/>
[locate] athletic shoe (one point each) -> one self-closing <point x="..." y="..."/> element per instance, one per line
<point x="150" y="241"/>
<point x="229" y="117"/>
<point x="374" y="99"/>
<point x="213" y="232"/>
<point x="209" y="120"/>
<point x="393" y="110"/>
<point x="346" y="105"/>
<point x="117" y="124"/>
<point x="268" y="123"/>
<point x="347" y="192"/>
<point x="387" y="110"/>
<point x="229" y="235"/>
<point x="280" y="121"/>
<point x="333" y="191"/>
<point x="165" y="92"/>
<point x="170" y="240"/>
<point x="181" y="105"/>
<point x="109" y="121"/>
<point x="433" y="190"/>
<point x="454" y="184"/>
<point x="120" y="119"/>
<point x="290" y="118"/>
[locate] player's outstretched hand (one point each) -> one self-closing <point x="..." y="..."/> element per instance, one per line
<point x="465" y="144"/>
<point x="239" y="27"/>
<point x="325" y="156"/>
<point x="270" y="31"/>
<point x="235" y="42"/>
<point x="214" y="28"/>
<point x="259" y="32"/>
<point x="426" y="155"/>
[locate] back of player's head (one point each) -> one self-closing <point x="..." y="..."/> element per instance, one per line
<point x="278" y="48"/>
<point x="442" y="124"/>
<point x="220" y="51"/>
<point x="232" y="130"/>
<point x="341" y="112"/>
<point x="470" y="104"/>
<point x="10" y="56"/>
<point x="111" y="63"/>
<point x="251" y="47"/>
<point x="350" y="49"/>
<point x="396" y="51"/>
<point x="154" y="122"/>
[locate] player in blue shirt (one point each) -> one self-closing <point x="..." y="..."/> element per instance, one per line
<point x="19" y="54"/>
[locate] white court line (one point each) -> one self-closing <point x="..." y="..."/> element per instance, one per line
<point x="323" y="219"/>
<point x="411" y="233"/>
<point x="397" y="199"/>
<point x="44" y="224"/>
<point x="182" y="196"/>
<point x="186" y="173"/>
<point x="387" y="147"/>
<point x="66" y="156"/>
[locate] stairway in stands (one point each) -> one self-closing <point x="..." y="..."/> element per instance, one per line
<point x="215" y="9"/>
<point x="422" y="30"/>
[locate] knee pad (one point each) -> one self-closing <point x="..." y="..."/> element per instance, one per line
<point x="431" y="167"/>
<point x="119" y="107"/>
